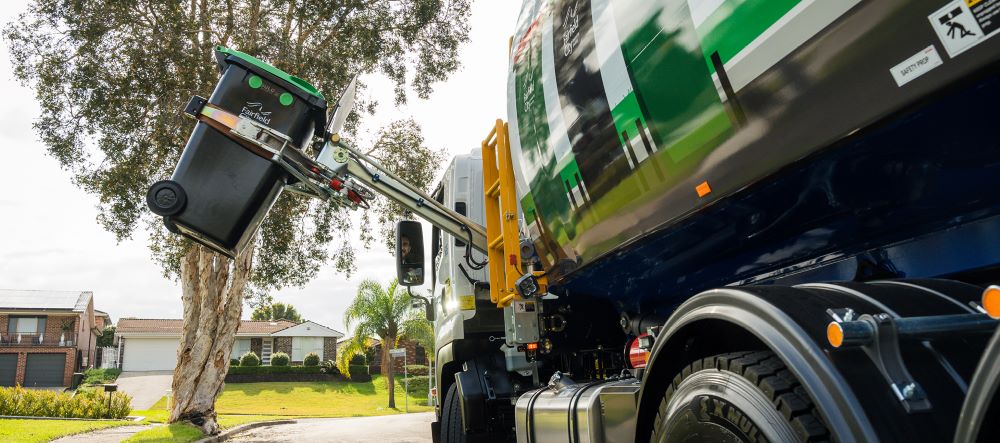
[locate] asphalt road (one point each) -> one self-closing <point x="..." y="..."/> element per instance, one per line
<point x="408" y="428"/>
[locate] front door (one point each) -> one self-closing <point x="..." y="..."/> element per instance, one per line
<point x="265" y="351"/>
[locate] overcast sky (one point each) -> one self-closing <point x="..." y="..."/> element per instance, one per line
<point x="50" y="239"/>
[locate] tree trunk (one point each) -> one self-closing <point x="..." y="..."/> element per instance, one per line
<point x="388" y="372"/>
<point x="212" y="295"/>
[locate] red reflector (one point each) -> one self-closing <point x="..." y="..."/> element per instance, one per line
<point x="637" y="357"/>
<point x="513" y="260"/>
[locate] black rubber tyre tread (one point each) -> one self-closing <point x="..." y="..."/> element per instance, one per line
<point x="766" y="371"/>
<point x="451" y="418"/>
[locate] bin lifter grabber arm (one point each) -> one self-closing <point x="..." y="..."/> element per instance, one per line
<point x="340" y="172"/>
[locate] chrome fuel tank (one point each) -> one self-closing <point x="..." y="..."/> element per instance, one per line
<point x="565" y="411"/>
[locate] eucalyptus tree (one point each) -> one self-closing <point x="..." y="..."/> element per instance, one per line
<point x="111" y="78"/>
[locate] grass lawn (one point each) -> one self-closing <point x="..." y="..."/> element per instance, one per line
<point x="319" y="399"/>
<point x="252" y="402"/>
<point x="25" y="431"/>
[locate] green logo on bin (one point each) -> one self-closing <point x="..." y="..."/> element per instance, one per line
<point x="255" y="82"/>
<point x="285" y="99"/>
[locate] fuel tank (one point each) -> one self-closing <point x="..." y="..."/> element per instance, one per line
<point x="628" y="118"/>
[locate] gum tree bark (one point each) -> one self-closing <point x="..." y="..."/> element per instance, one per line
<point x="212" y="295"/>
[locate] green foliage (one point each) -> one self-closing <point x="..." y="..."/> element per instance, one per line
<point x="107" y="337"/>
<point x="18" y="401"/>
<point x="250" y="359"/>
<point x="329" y="367"/>
<point x="359" y="373"/>
<point x="359" y="359"/>
<point x="280" y="359"/>
<point x="416" y="386"/>
<point x="240" y="370"/>
<point x="311" y="359"/>
<point x="93" y="376"/>
<point x="144" y="59"/>
<point x="417" y="369"/>
<point x="234" y="362"/>
<point x="276" y="311"/>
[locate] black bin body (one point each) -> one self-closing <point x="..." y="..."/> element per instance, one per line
<point x="229" y="189"/>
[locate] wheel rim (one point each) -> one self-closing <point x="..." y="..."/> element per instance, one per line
<point x="715" y="405"/>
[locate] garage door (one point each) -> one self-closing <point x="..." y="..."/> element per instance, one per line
<point x="44" y="370"/>
<point x="8" y="369"/>
<point x="150" y="354"/>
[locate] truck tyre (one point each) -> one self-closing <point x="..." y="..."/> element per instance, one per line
<point x="452" y="430"/>
<point x="737" y="397"/>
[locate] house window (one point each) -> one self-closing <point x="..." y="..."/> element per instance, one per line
<point x="304" y="345"/>
<point x="240" y="346"/>
<point x="26" y="325"/>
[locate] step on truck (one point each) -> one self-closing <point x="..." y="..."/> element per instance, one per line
<point x="702" y="220"/>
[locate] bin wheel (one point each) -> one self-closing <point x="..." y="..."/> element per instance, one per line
<point x="165" y="198"/>
<point x="737" y="397"/>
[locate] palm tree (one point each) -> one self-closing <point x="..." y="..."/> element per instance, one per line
<point x="384" y="313"/>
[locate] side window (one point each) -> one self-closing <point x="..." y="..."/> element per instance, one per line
<point x="460" y="208"/>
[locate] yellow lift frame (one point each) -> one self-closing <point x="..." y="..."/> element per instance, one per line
<point x="502" y="218"/>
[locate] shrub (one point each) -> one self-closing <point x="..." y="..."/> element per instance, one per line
<point x="95" y="376"/>
<point x="329" y="367"/>
<point x="359" y="373"/>
<point x="234" y="362"/>
<point x="311" y="359"/>
<point x="417" y="370"/>
<point x="84" y="404"/>
<point x="280" y="359"/>
<point x="416" y="386"/>
<point x="241" y="370"/>
<point x="358" y="360"/>
<point x="250" y="359"/>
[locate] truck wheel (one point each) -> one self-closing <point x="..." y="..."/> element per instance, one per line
<point x="452" y="430"/>
<point x="737" y="397"/>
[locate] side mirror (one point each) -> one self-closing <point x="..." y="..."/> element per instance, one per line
<point x="409" y="253"/>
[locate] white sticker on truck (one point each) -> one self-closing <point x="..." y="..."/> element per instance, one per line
<point x="963" y="24"/>
<point x="917" y="65"/>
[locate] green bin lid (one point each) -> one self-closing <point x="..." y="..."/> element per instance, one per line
<point x="266" y="67"/>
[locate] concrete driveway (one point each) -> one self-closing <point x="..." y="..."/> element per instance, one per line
<point x="146" y="388"/>
<point x="409" y="428"/>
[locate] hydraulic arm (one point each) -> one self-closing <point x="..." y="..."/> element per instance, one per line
<point x="339" y="172"/>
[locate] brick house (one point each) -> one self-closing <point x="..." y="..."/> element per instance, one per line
<point x="151" y="344"/>
<point x="46" y="336"/>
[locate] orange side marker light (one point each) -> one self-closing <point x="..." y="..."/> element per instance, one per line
<point x="834" y="334"/>
<point x="991" y="301"/>
<point x="703" y="189"/>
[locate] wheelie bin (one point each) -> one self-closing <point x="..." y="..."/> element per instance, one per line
<point x="220" y="191"/>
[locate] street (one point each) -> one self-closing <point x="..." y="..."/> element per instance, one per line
<point x="410" y="428"/>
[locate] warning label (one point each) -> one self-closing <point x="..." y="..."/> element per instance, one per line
<point x="963" y="24"/>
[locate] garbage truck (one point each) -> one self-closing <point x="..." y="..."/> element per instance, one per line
<point x="700" y="220"/>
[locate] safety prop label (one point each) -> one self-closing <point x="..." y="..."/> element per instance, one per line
<point x="915" y="66"/>
<point x="963" y="24"/>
